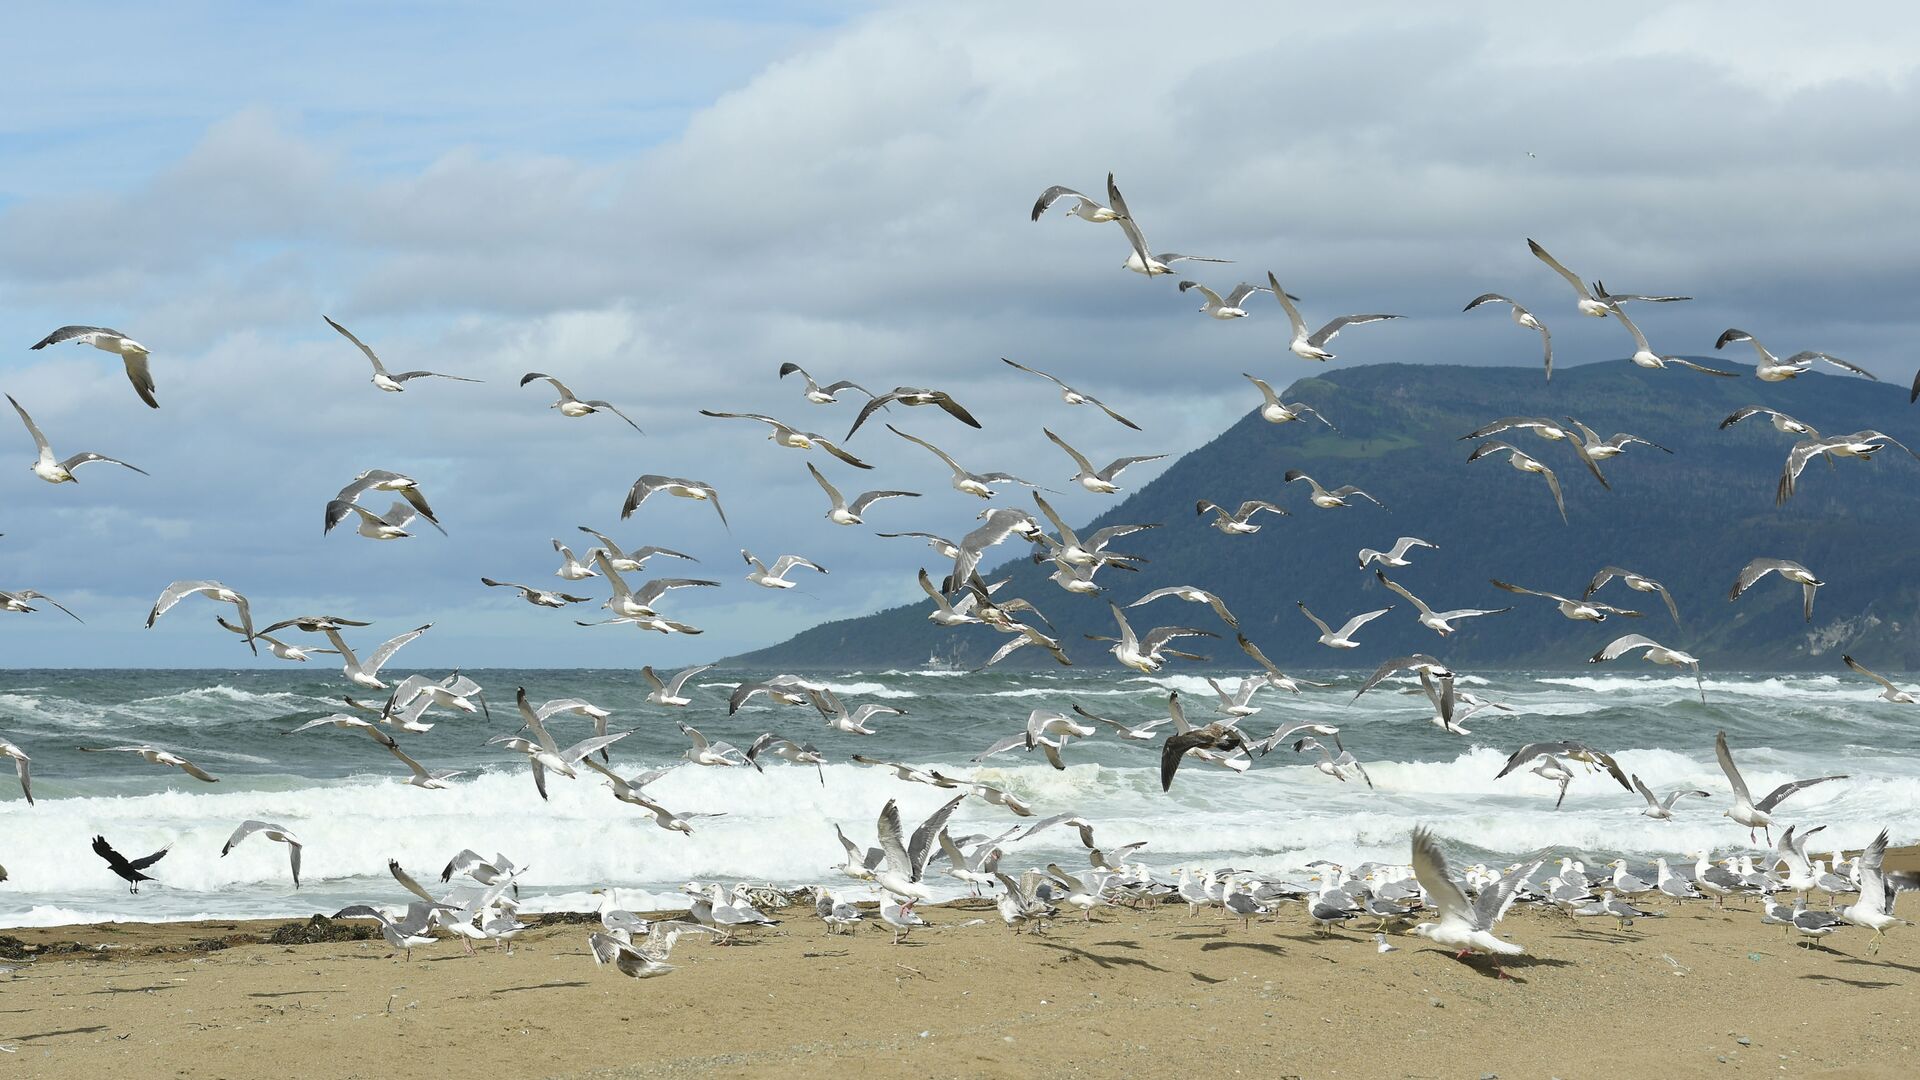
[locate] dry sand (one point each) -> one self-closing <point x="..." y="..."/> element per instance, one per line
<point x="1699" y="993"/>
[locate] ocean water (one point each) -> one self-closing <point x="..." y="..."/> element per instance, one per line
<point x="340" y="793"/>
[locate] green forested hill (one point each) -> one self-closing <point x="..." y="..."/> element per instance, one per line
<point x="1691" y="519"/>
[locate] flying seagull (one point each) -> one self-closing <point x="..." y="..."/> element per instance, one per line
<point x="1082" y="207"/>
<point x="775" y="577"/>
<point x="130" y="351"/>
<point x="1594" y="448"/>
<point x="537" y="597"/>
<point x="1656" y="653"/>
<point x="1312" y="346"/>
<point x="791" y="437"/>
<point x="1072" y="396"/>
<point x="1219" y="737"/>
<point x="1521" y="317"/>
<point x="212" y="590"/>
<point x="367" y="674"/>
<point x="1191" y="595"/>
<point x="1525" y="463"/>
<point x="844" y="513"/>
<point x="1756" y="815"/>
<point x="1590" y="303"/>
<point x="1550" y="430"/>
<point x="1098" y="481"/>
<point x="821" y="395"/>
<point x="1786" y="568"/>
<point x="686" y="489"/>
<point x="1142" y="260"/>
<point x="1228" y="307"/>
<point x="1636" y="582"/>
<point x="389" y="382"/>
<point x="1572" y="751"/>
<point x="1860" y="444"/>
<point x="1330" y="500"/>
<point x="19" y="602"/>
<point x="52" y="470"/>
<point x="1344" y="638"/>
<point x="22" y="764"/>
<point x="280" y="649"/>
<point x="1662" y="809"/>
<point x="1239" y="522"/>
<point x="1440" y="622"/>
<point x="914" y="396"/>
<point x="379" y="480"/>
<point x="273" y="832"/>
<point x="1888" y="691"/>
<point x="1781" y="421"/>
<point x="128" y="869"/>
<point x="630" y="561"/>
<point x="569" y="405"/>
<point x="1773" y="369"/>
<point x="1275" y="411"/>
<point x="156" y="756"/>
<point x="1397" y="555"/>
<point x="1577" y="610"/>
<point x="391" y="525"/>
<point x="967" y="483"/>
<point x="1644" y="356"/>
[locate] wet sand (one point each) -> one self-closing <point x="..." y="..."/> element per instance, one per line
<point x="1136" y="991"/>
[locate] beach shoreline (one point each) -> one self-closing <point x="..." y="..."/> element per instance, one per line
<point x="1153" y="989"/>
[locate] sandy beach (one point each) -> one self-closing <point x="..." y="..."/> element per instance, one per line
<point x="1700" y="992"/>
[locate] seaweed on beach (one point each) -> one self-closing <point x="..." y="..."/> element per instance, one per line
<point x="319" y="929"/>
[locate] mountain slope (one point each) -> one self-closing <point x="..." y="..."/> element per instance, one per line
<point x="1691" y="519"/>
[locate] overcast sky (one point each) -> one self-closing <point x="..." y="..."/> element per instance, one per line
<point x="662" y="210"/>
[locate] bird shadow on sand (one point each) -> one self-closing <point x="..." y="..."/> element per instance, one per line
<point x="1104" y="962"/>
<point x="557" y="985"/>
<point x="1862" y="984"/>
<point x="290" y="993"/>
<point x="1909" y="968"/>
<point x="1257" y="946"/>
<point x="1507" y="966"/>
<point x="135" y="989"/>
<point x="62" y="1031"/>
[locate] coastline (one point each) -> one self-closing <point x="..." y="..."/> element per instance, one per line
<point x="1154" y="989"/>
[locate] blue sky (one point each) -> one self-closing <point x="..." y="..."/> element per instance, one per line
<point x="661" y="209"/>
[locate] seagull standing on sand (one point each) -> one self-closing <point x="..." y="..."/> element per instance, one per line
<point x="1072" y="396"/>
<point x="1786" y="568"/>
<point x="55" y="471"/>
<point x="1521" y="317"/>
<point x="1312" y="346"/>
<point x="1756" y="815"/>
<point x="273" y="832"/>
<point x="392" y="383"/>
<point x="132" y="354"/>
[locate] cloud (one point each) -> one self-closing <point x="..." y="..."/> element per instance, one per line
<point x="853" y="197"/>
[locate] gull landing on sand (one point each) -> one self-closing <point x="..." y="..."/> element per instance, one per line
<point x="1466" y="926"/>
<point x="131" y="352"/>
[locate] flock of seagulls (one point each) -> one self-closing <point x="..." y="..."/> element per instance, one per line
<point x="902" y="869"/>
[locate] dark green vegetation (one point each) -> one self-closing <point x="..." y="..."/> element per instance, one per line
<point x="1691" y="519"/>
